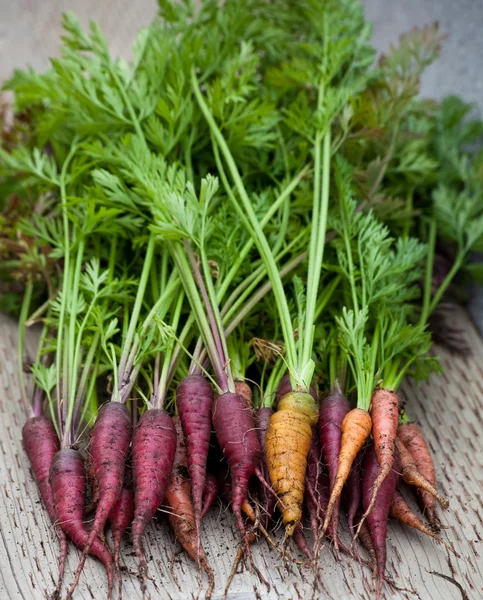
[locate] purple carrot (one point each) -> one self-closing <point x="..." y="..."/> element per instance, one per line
<point x="41" y="443"/>
<point x="153" y="450"/>
<point x="120" y="519"/>
<point x="68" y="483"/>
<point x="236" y="433"/>
<point x="331" y="414"/>
<point x="379" y="515"/>
<point x="312" y="483"/>
<point x="268" y="500"/>
<point x="301" y="542"/>
<point x="209" y="493"/>
<point x="194" y="400"/>
<point x="353" y="490"/>
<point x="110" y="439"/>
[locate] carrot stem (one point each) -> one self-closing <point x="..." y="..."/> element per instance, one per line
<point x="29" y="410"/>
<point x="137" y="305"/>
<point x="248" y="216"/>
<point x="448" y="279"/>
<point x="429" y="274"/>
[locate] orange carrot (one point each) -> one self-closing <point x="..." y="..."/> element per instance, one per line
<point x="401" y="511"/>
<point x="182" y="514"/>
<point x="385" y="416"/>
<point x="356" y="427"/>
<point x="412" y="437"/>
<point x="412" y="476"/>
<point x="287" y="446"/>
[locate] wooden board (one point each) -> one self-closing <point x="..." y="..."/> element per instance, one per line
<point x="449" y="408"/>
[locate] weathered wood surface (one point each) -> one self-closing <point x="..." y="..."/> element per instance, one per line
<point x="450" y="410"/>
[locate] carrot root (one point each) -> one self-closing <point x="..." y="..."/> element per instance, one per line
<point x="182" y="515"/>
<point x="41" y="443"/>
<point x="68" y="482"/>
<point x="109" y="446"/>
<point x="288" y="443"/>
<point x="378" y="517"/>
<point x="356" y="427"/>
<point x="332" y="411"/>
<point x="401" y="511"/>
<point x="412" y="476"/>
<point x="153" y="450"/>
<point x="385" y="417"/>
<point x="194" y="400"/>
<point x="413" y="439"/>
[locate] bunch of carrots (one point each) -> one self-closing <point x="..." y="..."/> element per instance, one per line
<point x="239" y="245"/>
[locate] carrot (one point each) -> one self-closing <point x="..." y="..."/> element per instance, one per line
<point x="385" y="417"/>
<point x="288" y="442"/>
<point x="236" y="434"/>
<point x="301" y="542"/>
<point x="401" y="511"/>
<point x="209" y="493"/>
<point x="109" y="446"/>
<point x="268" y="500"/>
<point x="316" y="485"/>
<point x="285" y="387"/>
<point x="353" y="490"/>
<point x="356" y="427"/>
<point x="120" y="518"/>
<point x="332" y="411"/>
<point x="412" y="476"/>
<point x="378" y="516"/>
<point x="413" y="439"/>
<point x="317" y="504"/>
<point x="182" y="516"/>
<point x="366" y="540"/>
<point x="41" y="443"/>
<point x="68" y="483"/>
<point x="153" y="449"/>
<point x="194" y="400"/>
<point x="244" y="390"/>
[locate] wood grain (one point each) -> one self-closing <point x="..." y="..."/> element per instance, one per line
<point x="449" y="409"/>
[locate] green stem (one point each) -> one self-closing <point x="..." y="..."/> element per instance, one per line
<point x="137" y="304"/>
<point x="316" y="252"/>
<point x="448" y="279"/>
<point x="198" y="309"/>
<point x="27" y="299"/>
<point x="263" y="291"/>
<point x="59" y="359"/>
<point x="256" y="232"/>
<point x="409" y="210"/>
<point x="325" y="296"/>
<point x="246" y="287"/>
<point x="428" y="280"/>
<point x="350" y="262"/>
<point x="71" y="373"/>
<point x="273" y="382"/>
<point x="163" y="379"/>
<point x="38" y="312"/>
<point x="212" y="314"/>
<point x="86" y="371"/>
<point x="280" y="201"/>
<point x="396" y="373"/>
